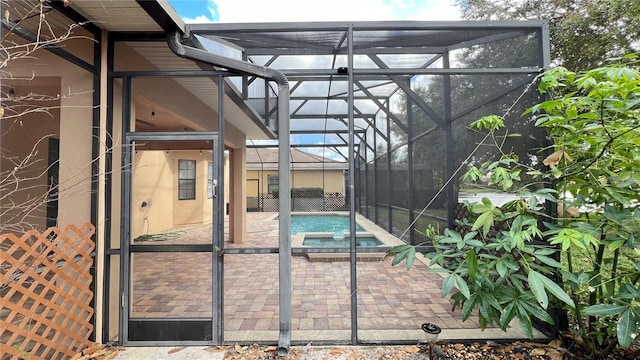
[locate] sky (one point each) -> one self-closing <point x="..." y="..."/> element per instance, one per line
<point x="202" y="11"/>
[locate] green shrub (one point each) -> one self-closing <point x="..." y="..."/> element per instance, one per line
<point x="593" y="177"/>
<point x="298" y="193"/>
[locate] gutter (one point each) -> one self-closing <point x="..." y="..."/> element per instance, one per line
<point x="284" y="253"/>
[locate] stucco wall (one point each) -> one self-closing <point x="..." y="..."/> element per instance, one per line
<point x="331" y="181"/>
<point x="155" y="182"/>
<point x="74" y="116"/>
<point x="24" y="144"/>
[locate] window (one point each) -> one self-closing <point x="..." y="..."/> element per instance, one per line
<point x="272" y="183"/>
<point x="186" y="179"/>
<point x="210" y="181"/>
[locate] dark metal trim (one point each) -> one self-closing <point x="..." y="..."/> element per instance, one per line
<point x="449" y="145"/>
<point x="172" y="136"/>
<point x="170" y="248"/>
<point x="221" y="28"/>
<point x="217" y="231"/>
<point x="170" y="329"/>
<point x="352" y="193"/>
<point x="170" y="73"/>
<point x="95" y="171"/>
<point x="125" y="211"/>
<point x="126" y="248"/>
<point x="29" y="36"/>
<point x="387" y="73"/>
<point x="138" y="36"/>
<point x="159" y="14"/>
<point x="108" y="188"/>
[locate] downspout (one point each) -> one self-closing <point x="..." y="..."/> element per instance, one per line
<point x="284" y="252"/>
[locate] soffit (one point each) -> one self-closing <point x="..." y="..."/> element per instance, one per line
<point x="237" y="111"/>
<point x="116" y="15"/>
<point x="128" y="16"/>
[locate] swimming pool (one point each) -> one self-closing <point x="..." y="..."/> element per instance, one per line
<point x="337" y="224"/>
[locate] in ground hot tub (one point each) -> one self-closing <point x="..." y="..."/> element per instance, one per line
<point x="331" y="242"/>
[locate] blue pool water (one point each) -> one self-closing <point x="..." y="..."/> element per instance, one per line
<point x="321" y="223"/>
<point x="330" y="242"/>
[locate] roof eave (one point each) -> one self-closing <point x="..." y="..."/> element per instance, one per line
<point x="163" y="14"/>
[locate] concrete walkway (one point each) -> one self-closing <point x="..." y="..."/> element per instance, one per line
<point x="169" y="353"/>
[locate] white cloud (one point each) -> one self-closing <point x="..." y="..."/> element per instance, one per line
<point x="198" y="20"/>
<point x="278" y="10"/>
<point x="437" y="10"/>
<point x="211" y="17"/>
<point x="328" y="10"/>
<point x="402" y="4"/>
<point x="327" y="153"/>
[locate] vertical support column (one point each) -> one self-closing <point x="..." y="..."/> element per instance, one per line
<point x="284" y="217"/>
<point x="75" y="197"/>
<point x="96" y="139"/>
<point x="218" y="223"/>
<point x="375" y="172"/>
<point x="108" y="187"/>
<point x="352" y="193"/>
<point x="410" y="184"/>
<point x="545" y="46"/>
<point x="449" y="148"/>
<point x="267" y="119"/>
<point x="388" y="189"/>
<point x="367" y="201"/>
<point x="237" y="196"/>
<point x="245" y="79"/>
<point x="101" y="278"/>
<point x="125" y="213"/>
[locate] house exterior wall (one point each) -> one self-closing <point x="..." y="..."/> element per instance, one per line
<point x="253" y="183"/>
<point x="155" y="182"/>
<point x="70" y="121"/>
<point x="29" y="138"/>
<point x="330" y="180"/>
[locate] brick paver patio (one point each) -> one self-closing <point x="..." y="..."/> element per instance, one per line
<point x="392" y="301"/>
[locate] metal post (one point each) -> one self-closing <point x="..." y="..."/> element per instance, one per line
<point x="125" y="213"/>
<point x="375" y="174"/>
<point x="410" y="183"/>
<point x="95" y="175"/>
<point x="218" y="222"/>
<point x="366" y="178"/>
<point x="284" y="253"/>
<point x="448" y="141"/>
<point x="388" y="189"/>
<point x="108" y="144"/>
<point x="352" y="193"/>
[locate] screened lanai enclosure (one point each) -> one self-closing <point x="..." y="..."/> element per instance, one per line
<point x="390" y="101"/>
<point x="407" y="93"/>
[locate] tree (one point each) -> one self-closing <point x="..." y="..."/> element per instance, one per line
<point x="26" y="182"/>
<point x="584" y="33"/>
<point x="472" y="96"/>
<point x="504" y="262"/>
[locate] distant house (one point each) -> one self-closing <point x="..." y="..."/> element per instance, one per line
<point x="307" y="171"/>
